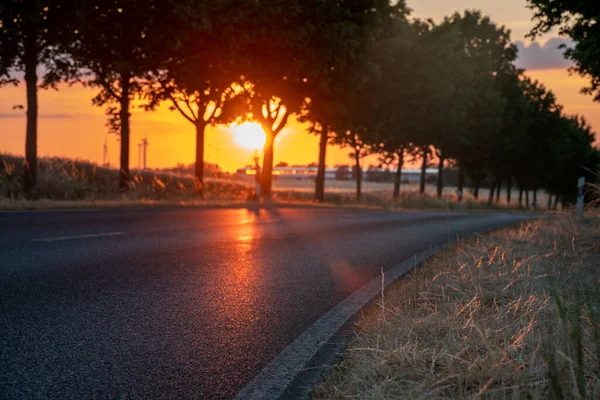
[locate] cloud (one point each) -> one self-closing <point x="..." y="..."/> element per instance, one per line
<point x="548" y="56"/>
<point x="21" y="114"/>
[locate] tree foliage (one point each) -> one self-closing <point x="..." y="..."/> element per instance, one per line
<point x="198" y="77"/>
<point x="119" y="44"/>
<point x="362" y="73"/>
<point x="31" y="35"/>
<point x="577" y="19"/>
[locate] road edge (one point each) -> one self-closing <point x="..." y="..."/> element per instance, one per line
<point x="273" y="380"/>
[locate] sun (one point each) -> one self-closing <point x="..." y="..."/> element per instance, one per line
<point x="250" y="135"/>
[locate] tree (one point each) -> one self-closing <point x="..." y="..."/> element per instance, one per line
<point x="274" y="66"/>
<point x="475" y="114"/>
<point x="357" y="123"/>
<point x="579" y="20"/>
<point x="535" y="145"/>
<point x="451" y="79"/>
<point x="515" y="122"/>
<point x="197" y="78"/>
<point x="30" y="35"/>
<point x="351" y="36"/>
<point x="356" y="140"/>
<point x="570" y="155"/>
<point x="435" y="109"/>
<point x="280" y="70"/>
<point x="118" y="44"/>
<point x="399" y="94"/>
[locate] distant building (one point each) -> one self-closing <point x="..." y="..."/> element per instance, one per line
<point x="340" y="173"/>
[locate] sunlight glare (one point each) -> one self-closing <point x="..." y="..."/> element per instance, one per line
<point x="250" y="135"/>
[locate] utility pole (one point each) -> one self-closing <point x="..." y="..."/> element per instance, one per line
<point x="145" y="145"/>
<point x="105" y="152"/>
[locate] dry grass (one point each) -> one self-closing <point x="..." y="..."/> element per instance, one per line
<point x="80" y="181"/>
<point x="83" y="184"/>
<point x="510" y="315"/>
<point x="407" y="200"/>
<point x="44" y="204"/>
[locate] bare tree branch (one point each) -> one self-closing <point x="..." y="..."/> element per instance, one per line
<point x="176" y="104"/>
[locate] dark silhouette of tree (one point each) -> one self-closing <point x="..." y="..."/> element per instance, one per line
<point x="347" y="51"/>
<point x="354" y="139"/>
<point x="543" y="112"/>
<point x="281" y="71"/>
<point x="577" y="19"/>
<point x="489" y="56"/>
<point x="30" y="36"/>
<point x="119" y="43"/>
<point x="197" y="79"/>
<point x="515" y="121"/>
<point x="275" y="66"/>
<point x="400" y="95"/>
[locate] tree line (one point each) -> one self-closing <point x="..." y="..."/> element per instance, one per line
<point x="363" y="74"/>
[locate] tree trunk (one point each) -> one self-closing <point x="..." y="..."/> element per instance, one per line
<point x="124" y="119"/>
<point x="535" y="198"/>
<point x="267" y="169"/>
<point x="555" y="207"/>
<point x="199" y="167"/>
<point x="358" y="176"/>
<point x="440" y="177"/>
<point x="498" y="190"/>
<point x="476" y="191"/>
<point x="508" y="190"/>
<point x="527" y="204"/>
<point x="492" y="191"/>
<point x="320" y="182"/>
<point x="549" y="201"/>
<point x="398" y="174"/>
<point x="520" y="197"/>
<point x="423" y="172"/>
<point x="461" y="182"/>
<point x="30" y="60"/>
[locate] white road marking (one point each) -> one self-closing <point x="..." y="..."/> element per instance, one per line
<point x="272" y="381"/>
<point x="93" y="235"/>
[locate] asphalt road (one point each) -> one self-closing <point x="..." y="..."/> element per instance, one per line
<point x="188" y="303"/>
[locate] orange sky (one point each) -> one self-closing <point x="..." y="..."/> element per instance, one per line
<point x="70" y="126"/>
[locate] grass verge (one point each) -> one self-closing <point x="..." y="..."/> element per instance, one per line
<point x="65" y="183"/>
<point x="407" y="200"/>
<point x="513" y="314"/>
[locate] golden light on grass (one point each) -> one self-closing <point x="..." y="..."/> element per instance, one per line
<point x="509" y="315"/>
<point x="250" y="135"/>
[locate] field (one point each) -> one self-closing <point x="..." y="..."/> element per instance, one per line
<point x="64" y="183"/>
<point x="385" y="188"/>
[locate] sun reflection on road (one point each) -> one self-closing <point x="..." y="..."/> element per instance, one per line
<point x="241" y="278"/>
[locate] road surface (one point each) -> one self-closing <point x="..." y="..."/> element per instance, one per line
<point x="184" y="303"/>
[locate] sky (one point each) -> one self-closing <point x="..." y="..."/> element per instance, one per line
<point x="70" y="126"/>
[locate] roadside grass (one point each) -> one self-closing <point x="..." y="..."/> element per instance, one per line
<point x="383" y="199"/>
<point x="72" y="180"/>
<point x="66" y="183"/>
<point x="509" y="315"/>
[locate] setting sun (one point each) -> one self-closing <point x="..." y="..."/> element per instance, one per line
<point x="250" y="135"/>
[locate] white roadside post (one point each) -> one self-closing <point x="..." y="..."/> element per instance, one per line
<point x="580" y="185"/>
